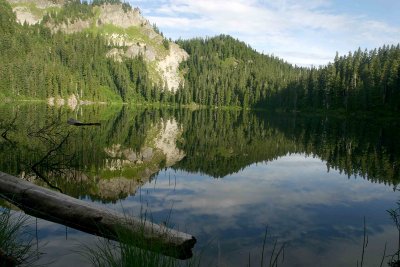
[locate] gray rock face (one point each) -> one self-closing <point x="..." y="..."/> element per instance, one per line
<point x="41" y="3"/>
<point x="169" y="67"/>
<point x="147" y="51"/>
<point x="147" y="154"/>
<point x="115" y="54"/>
<point x="24" y="15"/>
<point x="167" y="62"/>
<point x="71" y="27"/>
<point x="114" y="14"/>
<point x="130" y="155"/>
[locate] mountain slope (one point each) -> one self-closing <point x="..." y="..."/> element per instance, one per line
<point x="107" y="50"/>
<point x="222" y="71"/>
<point x="120" y="24"/>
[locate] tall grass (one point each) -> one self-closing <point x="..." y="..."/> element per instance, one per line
<point x="16" y="242"/>
<point x="276" y="255"/>
<point x="121" y="253"/>
<point x="127" y="252"/>
<point x="395" y="216"/>
<point x="108" y="253"/>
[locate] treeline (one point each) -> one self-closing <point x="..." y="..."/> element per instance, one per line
<point x="69" y="13"/>
<point x="360" y="81"/>
<point x="74" y="10"/>
<point x="223" y="71"/>
<point x="39" y="64"/>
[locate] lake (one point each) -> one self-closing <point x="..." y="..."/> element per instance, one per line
<point x="224" y="176"/>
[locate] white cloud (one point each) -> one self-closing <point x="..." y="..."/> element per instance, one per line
<point x="302" y="32"/>
<point x="264" y="183"/>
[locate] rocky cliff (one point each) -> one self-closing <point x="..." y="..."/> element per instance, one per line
<point x="130" y="33"/>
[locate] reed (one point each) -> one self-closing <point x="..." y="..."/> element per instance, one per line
<point x="16" y="242"/>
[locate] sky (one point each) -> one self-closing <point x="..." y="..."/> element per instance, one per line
<point x="302" y="32"/>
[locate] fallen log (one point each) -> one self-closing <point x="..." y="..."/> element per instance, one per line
<point x="74" y="122"/>
<point x="88" y="217"/>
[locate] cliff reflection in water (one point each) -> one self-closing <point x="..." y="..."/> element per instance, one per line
<point x="106" y="162"/>
<point x="132" y="144"/>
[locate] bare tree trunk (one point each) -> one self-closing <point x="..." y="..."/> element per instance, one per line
<point x="88" y="217"/>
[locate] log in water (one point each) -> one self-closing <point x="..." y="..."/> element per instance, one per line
<point x="74" y="122"/>
<point x="88" y="217"/>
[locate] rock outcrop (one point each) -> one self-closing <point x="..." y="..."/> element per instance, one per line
<point x="134" y="35"/>
<point x="169" y="67"/>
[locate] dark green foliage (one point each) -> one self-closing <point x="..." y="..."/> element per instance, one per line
<point x="71" y="12"/>
<point x="360" y="81"/>
<point x="125" y="6"/>
<point x="39" y="64"/>
<point x="102" y="2"/>
<point x="222" y="71"/>
<point x="156" y="29"/>
<point x="166" y="44"/>
<point x="7" y="19"/>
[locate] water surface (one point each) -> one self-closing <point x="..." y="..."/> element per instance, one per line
<point x="223" y="176"/>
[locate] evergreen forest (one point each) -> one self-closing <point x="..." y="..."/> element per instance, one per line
<point x="39" y="64"/>
<point x="220" y="71"/>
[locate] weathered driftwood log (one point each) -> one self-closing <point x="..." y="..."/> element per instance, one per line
<point x="78" y="123"/>
<point x="88" y="217"/>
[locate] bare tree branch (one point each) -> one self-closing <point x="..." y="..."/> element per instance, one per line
<point x="10" y="126"/>
<point x="49" y="154"/>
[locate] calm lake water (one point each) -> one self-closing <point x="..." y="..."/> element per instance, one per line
<point x="222" y="176"/>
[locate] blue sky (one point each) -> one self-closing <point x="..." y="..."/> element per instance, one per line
<point x="302" y="32"/>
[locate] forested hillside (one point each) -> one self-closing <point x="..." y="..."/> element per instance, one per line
<point x="223" y="71"/>
<point x="359" y="81"/>
<point x="40" y="62"/>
